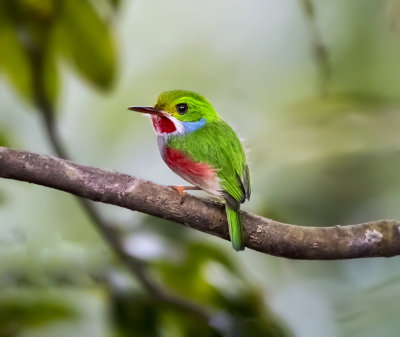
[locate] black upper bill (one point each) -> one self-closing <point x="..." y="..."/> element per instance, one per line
<point x="146" y="110"/>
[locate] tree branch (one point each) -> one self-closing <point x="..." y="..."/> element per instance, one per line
<point x="373" y="239"/>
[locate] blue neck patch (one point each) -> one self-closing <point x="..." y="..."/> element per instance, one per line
<point x="193" y="126"/>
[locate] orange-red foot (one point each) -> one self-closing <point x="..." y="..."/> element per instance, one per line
<point x="181" y="189"/>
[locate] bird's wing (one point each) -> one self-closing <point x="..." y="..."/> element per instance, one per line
<point x="218" y="145"/>
<point x="246" y="181"/>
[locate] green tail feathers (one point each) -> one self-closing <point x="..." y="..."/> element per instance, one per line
<point x="235" y="228"/>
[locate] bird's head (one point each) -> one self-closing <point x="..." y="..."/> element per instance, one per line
<point x="179" y="111"/>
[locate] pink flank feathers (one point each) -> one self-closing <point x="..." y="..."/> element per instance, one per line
<point x="199" y="174"/>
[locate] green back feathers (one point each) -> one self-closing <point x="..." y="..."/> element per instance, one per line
<point x="217" y="145"/>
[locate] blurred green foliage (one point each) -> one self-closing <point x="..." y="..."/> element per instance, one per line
<point x="24" y="310"/>
<point x="314" y="161"/>
<point x="4" y="139"/>
<point x="86" y="40"/>
<point x="202" y="272"/>
<point x="34" y="34"/>
<point x="353" y="160"/>
<point x="199" y="274"/>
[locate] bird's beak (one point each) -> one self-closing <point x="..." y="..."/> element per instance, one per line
<point x="146" y="110"/>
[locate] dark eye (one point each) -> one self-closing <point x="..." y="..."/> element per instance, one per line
<point x="182" y="108"/>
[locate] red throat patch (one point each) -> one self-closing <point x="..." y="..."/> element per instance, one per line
<point x="163" y="124"/>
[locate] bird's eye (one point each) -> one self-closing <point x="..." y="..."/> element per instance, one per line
<point x="181" y="108"/>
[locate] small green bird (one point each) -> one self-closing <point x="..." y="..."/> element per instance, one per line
<point x="204" y="150"/>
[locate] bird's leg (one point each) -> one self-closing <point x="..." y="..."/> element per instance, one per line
<point x="181" y="189"/>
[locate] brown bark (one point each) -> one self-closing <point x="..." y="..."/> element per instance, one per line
<point x="373" y="239"/>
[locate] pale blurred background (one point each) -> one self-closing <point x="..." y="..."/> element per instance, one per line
<point x="323" y="145"/>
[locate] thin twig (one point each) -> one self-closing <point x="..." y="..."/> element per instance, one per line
<point x="138" y="267"/>
<point x="319" y="50"/>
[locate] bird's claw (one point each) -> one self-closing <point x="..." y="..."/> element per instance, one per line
<point x="180" y="190"/>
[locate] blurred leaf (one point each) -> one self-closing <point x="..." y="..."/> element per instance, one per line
<point x="32" y="33"/>
<point x="23" y="312"/>
<point x="255" y="318"/>
<point x="133" y="312"/>
<point x="192" y="268"/>
<point x="115" y="3"/>
<point x="202" y="252"/>
<point x="223" y="287"/>
<point x="4" y="140"/>
<point x="334" y="190"/>
<point x="29" y="62"/>
<point x="205" y="274"/>
<point x="174" y="323"/>
<point x="14" y="62"/>
<point x="35" y="18"/>
<point x="86" y="40"/>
